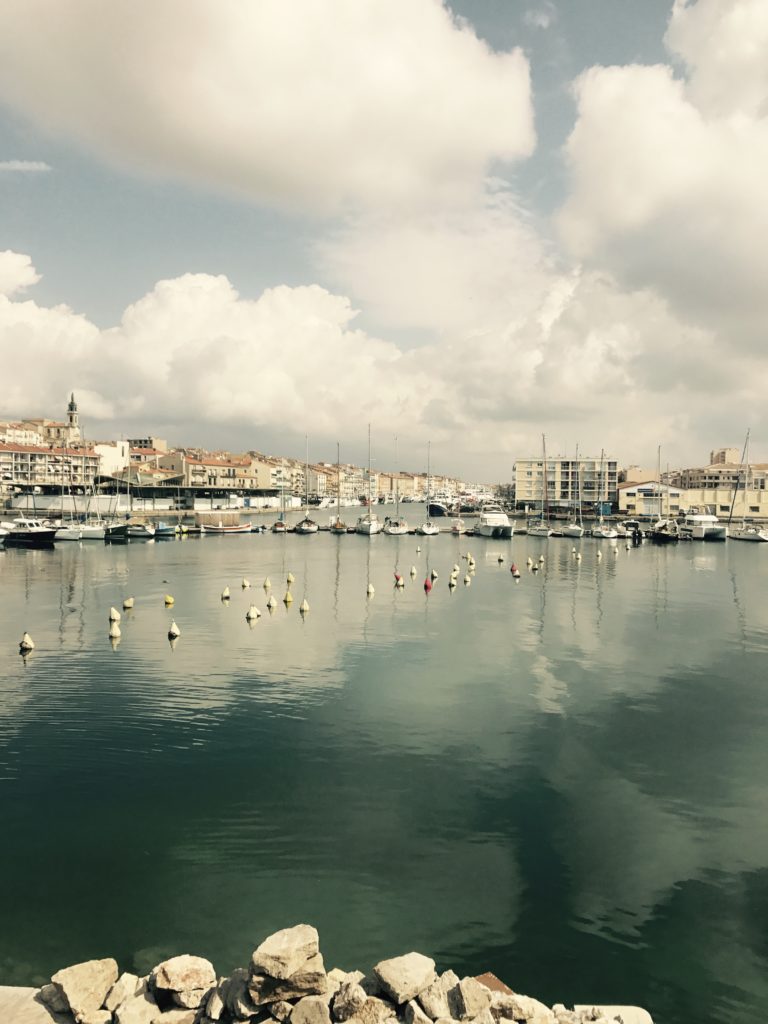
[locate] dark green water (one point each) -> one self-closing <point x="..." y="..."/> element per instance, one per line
<point x="562" y="781"/>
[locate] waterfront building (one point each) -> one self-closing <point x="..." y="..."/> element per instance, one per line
<point x="45" y="468"/>
<point x="158" y="444"/>
<point x="593" y="479"/>
<point x="20" y="433"/>
<point x="56" y="432"/>
<point x="651" y="499"/>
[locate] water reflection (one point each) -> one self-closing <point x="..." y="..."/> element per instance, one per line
<point x="553" y="774"/>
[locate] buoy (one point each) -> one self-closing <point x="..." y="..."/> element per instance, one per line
<point x="27" y="643"/>
<point x="288" y="599"/>
<point x="573" y="551"/>
<point x="252" y="613"/>
<point x="534" y="568"/>
<point x="168" y="600"/>
<point x="628" y="546"/>
<point x="114" y="642"/>
<point x="369" y="590"/>
<point x="398" y="577"/>
<point x="467" y="580"/>
<point x="599" y="555"/>
<point x="400" y="583"/>
<point x="225" y="594"/>
<point x="530" y="561"/>
<point x="267" y="583"/>
<point x="418" y="550"/>
<point x="615" y="551"/>
<point x="456" y="569"/>
<point x="304" y="607"/>
<point x="452" y="583"/>
<point x="427" y="585"/>
<point x="433" y="574"/>
<point x="114" y="615"/>
<point x="578" y="556"/>
<point x="173" y="631"/>
<point x="500" y="559"/>
<point x="541" y="558"/>
<point x="413" y="571"/>
<point x="114" y="629"/>
<point x="289" y="579"/>
<point x="245" y="584"/>
<point x="127" y="604"/>
<point x="271" y="603"/>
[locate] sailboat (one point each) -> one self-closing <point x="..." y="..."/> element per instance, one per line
<point x="745" y="531"/>
<point x="396" y="527"/>
<point x="575" y="528"/>
<point x="428" y="528"/>
<point x="603" y="531"/>
<point x="664" y="530"/>
<point x="306" y="525"/>
<point x="540" y="527"/>
<point x="369" y="524"/>
<point x="280" y="526"/>
<point x="338" y="526"/>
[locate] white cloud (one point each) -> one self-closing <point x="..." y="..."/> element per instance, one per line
<point x="27" y="166"/>
<point x="16" y="272"/>
<point x="542" y="17"/>
<point x="669" y="176"/>
<point x="384" y="101"/>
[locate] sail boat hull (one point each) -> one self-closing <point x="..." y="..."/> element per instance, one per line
<point x="395" y="528"/>
<point x="572" y="530"/>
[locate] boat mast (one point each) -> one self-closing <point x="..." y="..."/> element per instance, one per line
<point x="578" y="483"/>
<point x="429" y="451"/>
<point x="397" y="485"/>
<point x="544" y="489"/>
<point x="370" y="479"/>
<point x="745" y="465"/>
<point x="306" y="477"/>
<point x="338" y="483"/>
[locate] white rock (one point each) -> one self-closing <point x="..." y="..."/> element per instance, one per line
<point x="311" y="1010"/>
<point x="309" y="980"/>
<point x="468" y="999"/>
<point x="215" y="1005"/>
<point x="281" y="1010"/>
<point x="126" y="985"/>
<point x="176" y="1016"/>
<point x="138" y="1009"/>
<point x="403" y="977"/>
<point x="414" y="1014"/>
<point x="434" y="1000"/>
<point x="85" y="986"/>
<point x="375" y="1011"/>
<point x="349" y="1000"/>
<point x="188" y="978"/>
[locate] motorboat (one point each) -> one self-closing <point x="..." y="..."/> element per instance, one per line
<point x="493" y="522"/>
<point x="139" y="531"/>
<point x="369" y="524"/>
<point x="29" y="533"/>
<point x="437" y="509"/>
<point x="458" y="527"/>
<point x="221" y="527"/>
<point x="703" y="526"/>
<point x="167" y="531"/>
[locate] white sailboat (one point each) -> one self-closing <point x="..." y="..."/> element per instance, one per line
<point x="396" y="527"/>
<point x="603" y="531"/>
<point x="428" y="528"/>
<point x="338" y="526"/>
<point x="306" y="525"/>
<point x="369" y="523"/>
<point x="745" y="531"/>
<point x="575" y="528"/>
<point x="540" y="527"/>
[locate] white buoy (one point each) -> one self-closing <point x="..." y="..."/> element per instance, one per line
<point x="534" y="568"/>
<point x="252" y="613"/>
<point x="573" y="551"/>
<point x="456" y="569"/>
<point x="433" y="574"/>
<point x="516" y="574"/>
<point x="267" y="583"/>
<point x="500" y="559"/>
<point x="628" y="546"/>
<point x="271" y="603"/>
<point x="413" y="570"/>
<point x="127" y="604"/>
<point x="615" y="551"/>
<point x="245" y="584"/>
<point x="290" y="578"/>
<point x="225" y="594"/>
<point x="114" y="615"/>
<point x="541" y="558"/>
<point x="288" y="599"/>
<point x="418" y="551"/>
<point x="529" y="561"/>
<point x="599" y="555"/>
<point x="168" y="599"/>
<point x="114" y="629"/>
<point x="467" y="580"/>
<point x="578" y="556"/>
<point x="399" y="582"/>
<point x="27" y="643"/>
<point x="369" y="590"/>
<point x="304" y="607"/>
<point x="452" y="583"/>
<point x="173" y="631"/>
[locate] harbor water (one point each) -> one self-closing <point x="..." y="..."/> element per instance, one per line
<point x="561" y="779"/>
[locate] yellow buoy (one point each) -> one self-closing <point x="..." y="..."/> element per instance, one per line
<point x="369" y="590"/>
<point x="252" y="613"/>
<point x="289" y="579"/>
<point x="168" y="600"/>
<point x="288" y="599"/>
<point x="127" y="603"/>
<point x="245" y="584"/>
<point x="267" y="583"/>
<point x="114" y="615"/>
<point x="272" y="603"/>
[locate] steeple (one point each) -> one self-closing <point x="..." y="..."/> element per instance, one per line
<point x="73" y="420"/>
<point x="72" y="407"/>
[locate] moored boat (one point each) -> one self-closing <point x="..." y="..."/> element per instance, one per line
<point x="221" y="527"/>
<point x="748" y="531"/>
<point x="139" y="531"/>
<point x="493" y="522"/>
<point x="369" y="523"/>
<point x="29" y="533"/>
<point x="703" y="526"/>
<point x="665" y="531"/>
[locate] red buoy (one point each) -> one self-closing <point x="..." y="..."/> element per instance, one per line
<point x="427" y="585"/>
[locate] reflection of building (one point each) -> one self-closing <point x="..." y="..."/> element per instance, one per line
<point x="591" y="479"/>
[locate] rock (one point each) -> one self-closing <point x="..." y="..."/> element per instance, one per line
<point x="414" y="1014"/>
<point x="215" y="1005"/>
<point x="309" y="980"/>
<point x="188" y="978"/>
<point x="403" y="977"/>
<point x="434" y="1000"/>
<point x="349" y="1000"/>
<point x="282" y="954"/>
<point x="281" y="1010"/>
<point x="310" y="1010"/>
<point x="468" y="999"/>
<point x="95" y="1017"/>
<point x="85" y="986"/>
<point x="234" y="992"/>
<point x="375" y="1011"/>
<point x="517" y="1007"/>
<point x="139" y="1009"/>
<point x="485" y="1017"/>
<point x="126" y="985"/>
<point x="53" y="997"/>
<point x="178" y="1015"/>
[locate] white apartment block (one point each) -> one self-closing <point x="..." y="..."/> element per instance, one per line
<point x="569" y="480"/>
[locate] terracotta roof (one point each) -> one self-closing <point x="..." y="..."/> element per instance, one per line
<point x="46" y="449"/>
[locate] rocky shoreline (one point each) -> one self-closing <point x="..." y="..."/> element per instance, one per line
<point x="286" y="983"/>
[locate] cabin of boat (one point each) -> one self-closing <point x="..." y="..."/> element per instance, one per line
<point x="703" y="526"/>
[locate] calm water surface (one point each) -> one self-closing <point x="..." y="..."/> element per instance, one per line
<point x="561" y="780"/>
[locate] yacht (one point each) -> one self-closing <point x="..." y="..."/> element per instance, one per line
<point x="428" y="528"/>
<point x="703" y="526"/>
<point x="458" y="527"/>
<point x="397" y="526"/>
<point x="29" y="533"/>
<point x="538" y="528"/>
<point x="665" y="531"/>
<point x="139" y="531"/>
<point x="306" y="525"/>
<point x="604" y="532"/>
<point x="369" y="523"/>
<point x="493" y="522"/>
<point x="748" y="531"/>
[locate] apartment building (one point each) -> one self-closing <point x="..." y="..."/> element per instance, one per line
<point x="34" y="466"/>
<point x="568" y="480"/>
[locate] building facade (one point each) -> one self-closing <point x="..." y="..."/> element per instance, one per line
<point x="589" y="480"/>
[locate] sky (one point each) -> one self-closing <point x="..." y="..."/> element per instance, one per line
<point x="235" y="224"/>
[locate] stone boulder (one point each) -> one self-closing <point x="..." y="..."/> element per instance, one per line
<point x="520" y="1008"/>
<point x="413" y="1014"/>
<point x="85" y="986"/>
<point x="187" y="978"/>
<point x="54" y="998"/>
<point x="126" y="985"/>
<point x="177" y="1015"/>
<point x="310" y="1010"/>
<point x="309" y="979"/>
<point x="349" y="999"/>
<point x="434" y="999"/>
<point x="95" y="1017"/>
<point x="283" y="953"/>
<point x="281" y="1010"/>
<point x="140" y="1008"/>
<point x="374" y="1011"/>
<point x="403" y="977"/>
<point x="234" y="992"/>
<point x="468" y="999"/>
